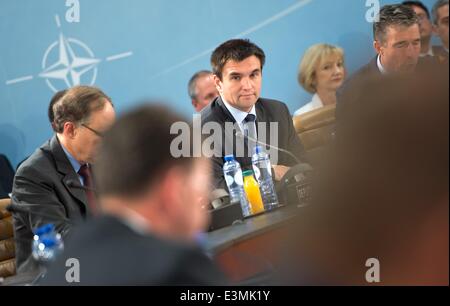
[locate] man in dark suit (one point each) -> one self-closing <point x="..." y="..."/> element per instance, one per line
<point x="54" y="185"/>
<point x="239" y="110"/>
<point x="152" y="212"/>
<point x="397" y="43"/>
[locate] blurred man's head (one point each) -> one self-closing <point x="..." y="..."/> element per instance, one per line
<point x="136" y="171"/>
<point x="397" y="38"/>
<point x="385" y="195"/>
<point x="82" y="115"/>
<point x="237" y="66"/>
<point x="201" y="89"/>
<point x="55" y="98"/>
<point x="440" y="20"/>
<point x="425" y="25"/>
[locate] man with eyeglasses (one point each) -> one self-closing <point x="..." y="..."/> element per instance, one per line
<point x="55" y="185"/>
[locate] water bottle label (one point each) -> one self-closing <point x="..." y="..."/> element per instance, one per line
<point x="257" y="172"/>
<point x="229" y="179"/>
<point x="238" y="178"/>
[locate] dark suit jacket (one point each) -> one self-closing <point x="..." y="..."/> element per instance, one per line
<point x="267" y="111"/>
<point x="6" y="176"/>
<point x="111" y="253"/>
<point x="43" y="182"/>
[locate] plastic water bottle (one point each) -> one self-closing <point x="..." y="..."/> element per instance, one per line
<point x="233" y="177"/>
<point x="263" y="173"/>
<point x="47" y="244"/>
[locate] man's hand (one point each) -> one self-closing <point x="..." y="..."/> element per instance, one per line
<point x="279" y="171"/>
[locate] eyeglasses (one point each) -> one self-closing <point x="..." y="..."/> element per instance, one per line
<point x="99" y="134"/>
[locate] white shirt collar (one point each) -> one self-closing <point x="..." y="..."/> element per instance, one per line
<point x="316" y="102"/>
<point x="237" y="114"/>
<point x="380" y="66"/>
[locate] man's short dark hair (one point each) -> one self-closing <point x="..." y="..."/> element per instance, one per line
<point x="193" y="82"/>
<point x="436" y="7"/>
<point x="77" y="105"/>
<point x="418" y="4"/>
<point x="393" y="15"/>
<point x="136" y="151"/>
<point x="55" y="98"/>
<point x="236" y="50"/>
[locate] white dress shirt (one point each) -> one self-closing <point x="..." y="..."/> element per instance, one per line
<point x="239" y="115"/>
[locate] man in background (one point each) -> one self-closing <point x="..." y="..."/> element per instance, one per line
<point x="397" y="42"/>
<point x="425" y="25"/>
<point x="440" y="20"/>
<point x="55" y="185"/>
<point x="201" y="89"/>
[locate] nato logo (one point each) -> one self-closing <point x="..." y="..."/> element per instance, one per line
<point x="68" y="62"/>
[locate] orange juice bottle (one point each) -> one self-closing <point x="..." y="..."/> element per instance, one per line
<point x="251" y="188"/>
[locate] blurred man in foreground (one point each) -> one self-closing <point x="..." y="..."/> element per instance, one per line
<point x="152" y="212"/>
<point x="381" y="210"/>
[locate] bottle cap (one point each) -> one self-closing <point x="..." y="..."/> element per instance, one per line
<point x="247" y="173"/>
<point x="229" y="158"/>
<point x="44" y="229"/>
<point x="258" y="149"/>
<point x="49" y="242"/>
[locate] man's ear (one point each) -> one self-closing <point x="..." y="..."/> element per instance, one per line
<point x="377" y="47"/>
<point x="194" y="103"/>
<point x="218" y="83"/>
<point x="69" y="129"/>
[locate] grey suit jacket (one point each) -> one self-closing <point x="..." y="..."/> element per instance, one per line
<point x="267" y="111"/>
<point x="42" y="186"/>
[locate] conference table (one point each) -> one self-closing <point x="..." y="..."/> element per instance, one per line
<point x="244" y="250"/>
<point x="249" y="248"/>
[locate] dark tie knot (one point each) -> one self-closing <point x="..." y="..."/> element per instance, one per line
<point x="250" y="118"/>
<point x="84" y="171"/>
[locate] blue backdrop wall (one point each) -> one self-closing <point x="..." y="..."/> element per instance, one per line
<point x="135" y="49"/>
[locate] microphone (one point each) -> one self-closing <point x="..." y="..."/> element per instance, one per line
<point x="77" y="185"/>
<point x="240" y="135"/>
<point x="27" y="209"/>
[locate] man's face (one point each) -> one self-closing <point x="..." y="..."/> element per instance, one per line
<point x="425" y="26"/>
<point x="241" y="83"/>
<point x="205" y="90"/>
<point x="401" y="49"/>
<point x="442" y="24"/>
<point x="84" y="141"/>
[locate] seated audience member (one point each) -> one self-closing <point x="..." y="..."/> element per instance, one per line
<point x="425" y="26"/>
<point x="440" y="20"/>
<point x="380" y="214"/>
<point x="151" y="211"/>
<point x="48" y="186"/>
<point x="201" y="89"/>
<point x="397" y="43"/>
<point x="321" y="72"/>
<point x="237" y="65"/>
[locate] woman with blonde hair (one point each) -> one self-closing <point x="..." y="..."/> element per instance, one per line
<point x="321" y="72"/>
